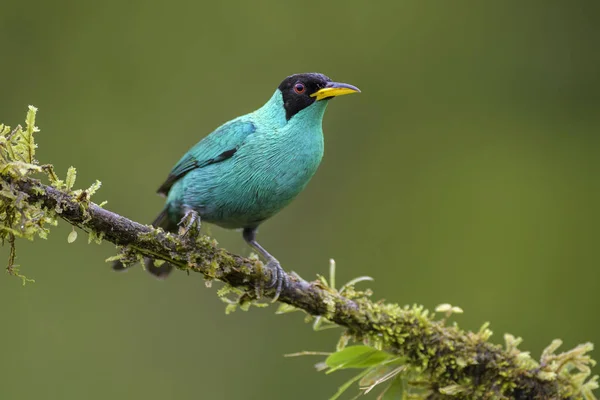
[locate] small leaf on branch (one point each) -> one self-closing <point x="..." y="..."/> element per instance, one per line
<point x="356" y="357"/>
<point x="71" y="175"/>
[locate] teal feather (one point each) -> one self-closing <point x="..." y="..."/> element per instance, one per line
<point x="273" y="161"/>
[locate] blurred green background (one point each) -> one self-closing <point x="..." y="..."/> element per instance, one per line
<point x="466" y="172"/>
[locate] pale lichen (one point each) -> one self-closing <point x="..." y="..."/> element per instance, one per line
<point x="18" y="217"/>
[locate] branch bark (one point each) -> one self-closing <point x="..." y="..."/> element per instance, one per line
<point x="449" y="356"/>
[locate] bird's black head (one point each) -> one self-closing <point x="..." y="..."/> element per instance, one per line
<point x="301" y="90"/>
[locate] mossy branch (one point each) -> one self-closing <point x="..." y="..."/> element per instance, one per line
<point x="447" y="361"/>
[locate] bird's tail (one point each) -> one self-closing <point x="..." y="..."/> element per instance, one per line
<point x="162" y="271"/>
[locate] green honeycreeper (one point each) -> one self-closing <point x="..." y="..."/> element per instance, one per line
<point x="251" y="167"/>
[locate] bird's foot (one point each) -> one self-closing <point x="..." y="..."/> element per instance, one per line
<point x="279" y="278"/>
<point x="190" y="223"/>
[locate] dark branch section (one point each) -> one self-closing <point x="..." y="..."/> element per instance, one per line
<point x="198" y="256"/>
<point x="451" y="358"/>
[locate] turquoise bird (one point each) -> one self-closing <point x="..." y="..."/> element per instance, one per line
<point x="251" y="167"/>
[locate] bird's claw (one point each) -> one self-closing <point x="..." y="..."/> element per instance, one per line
<point x="189" y="222"/>
<point x="279" y="279"/>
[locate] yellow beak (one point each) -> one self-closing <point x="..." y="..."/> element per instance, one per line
<point x="334" y="89"/>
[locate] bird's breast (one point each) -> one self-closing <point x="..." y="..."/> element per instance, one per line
<point x="266" y="174"/>
<point x="279" y="166"/>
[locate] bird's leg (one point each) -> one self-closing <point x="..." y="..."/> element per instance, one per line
<point x="279" y="277"/>
<point x="189" y="223"/>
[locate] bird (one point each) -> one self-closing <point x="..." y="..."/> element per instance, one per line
<point x="251" y="167"/>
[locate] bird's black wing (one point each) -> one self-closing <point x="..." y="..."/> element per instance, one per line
<point x="219" y="146"/>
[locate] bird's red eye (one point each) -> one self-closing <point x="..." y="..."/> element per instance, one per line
<point x="299" y="88"/>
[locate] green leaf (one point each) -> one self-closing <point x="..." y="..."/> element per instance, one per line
<point x="4" y="129"/>
<point x="356" y="357"/>
<point x="27" y="136"/>
<point x="230" y="308"/>
<point x="285" y="308"/>
<point x="376" y="374"/>
<point x="395" y="391"/>
<point x="346" y="385"/>
<point x="93" y="188"/>
<point x="72" y="236"/>
<point x="114" y="258"/>
<point x="71" y="175"/>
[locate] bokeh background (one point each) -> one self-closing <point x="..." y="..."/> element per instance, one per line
<point x="466" y="172"/>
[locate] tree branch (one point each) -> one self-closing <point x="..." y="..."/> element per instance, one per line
<point x="402" y="331"/>
<point x="199" y="255"/>
<point x="453" y="363"/>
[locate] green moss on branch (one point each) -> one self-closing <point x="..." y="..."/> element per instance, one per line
<point x="454" y="363"/>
